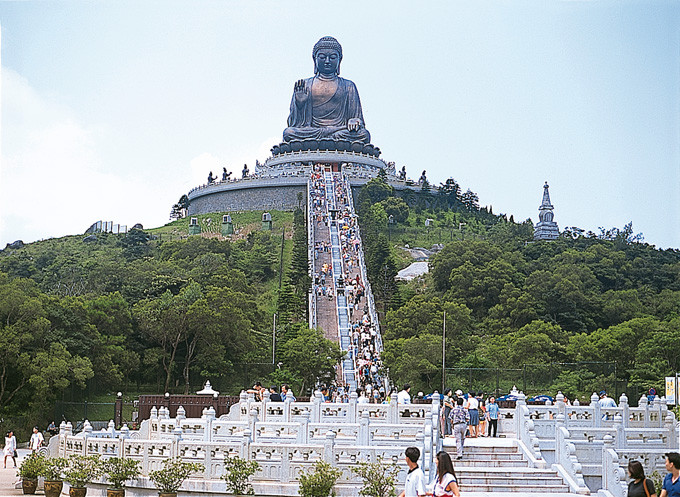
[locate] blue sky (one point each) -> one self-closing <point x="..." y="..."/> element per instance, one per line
<point x="113" y="110"/>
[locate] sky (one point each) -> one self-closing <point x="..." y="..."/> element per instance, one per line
<point x="113" y="110"/>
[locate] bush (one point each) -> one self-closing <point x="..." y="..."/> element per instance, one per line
<point x="173" y="474"/>
<point x="82" y="470"/>
<point x="118" y="470"/>
<point x="236" y="474"/>
<point x="32" y="466"/>
<point x="53" y="468"/>
<point x="319" y="482"/>
<point x="379" y="479"/>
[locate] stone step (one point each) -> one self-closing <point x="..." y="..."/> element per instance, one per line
<point x="487" y="456"/>
<point x="514" y="490"/>
<point x="486" y="463"/>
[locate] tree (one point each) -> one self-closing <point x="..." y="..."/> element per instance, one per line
<point x="397" y="208"/>
<point x="311" y="357"/>
<point x="179" y="210"/>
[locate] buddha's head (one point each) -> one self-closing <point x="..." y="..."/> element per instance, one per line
<point x="327" y="55"/>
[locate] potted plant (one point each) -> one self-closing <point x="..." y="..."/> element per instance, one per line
<point x="29" y="471"/>
<point x="172" y="475"/>
<point x="236" y="474"/>
<point x="81" y="470"/>
<point x="379" y="479"/>
<point x="117" y="471"/>
<point x="52" y="472"/>
<point x="320" y="481"/>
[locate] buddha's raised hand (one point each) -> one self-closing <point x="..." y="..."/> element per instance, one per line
<point x="301" y="91"/>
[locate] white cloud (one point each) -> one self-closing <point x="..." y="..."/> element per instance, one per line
<point x="52" y="179"/>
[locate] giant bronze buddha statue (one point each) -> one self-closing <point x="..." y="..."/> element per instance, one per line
<point x="326" y="106"/>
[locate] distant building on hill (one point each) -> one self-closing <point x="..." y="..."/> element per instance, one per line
<point x="546" y="228"/>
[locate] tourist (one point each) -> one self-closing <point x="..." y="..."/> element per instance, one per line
<point x="274" y="396"/>
<point x="286" y="394"/>
<point x="446" y="483"/>
<point x="37" y="440"/>
<point x="404" y="397"/>
<point x="52" y="428"/>
<point x="606" y="401"/>
<point x="459" y="417"/>
<point x="492" y="411"/>
<point x="472" y="406"/>
<point x="448" y="406"/>
<point x="415" y="479"/>
<point x="481" y="431"/>
<point x="640" y="486"/>
<point x="10" y="449"/>
<point x="361" y="399"/>
<point x="671" y="483"/>
<point x="257" y="390"/>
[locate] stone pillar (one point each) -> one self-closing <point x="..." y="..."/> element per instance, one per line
<point x="353" y="407"/>
<point x="625" y="410"/>
<point x="672" y="429"/>
<point x="286" y="409"/>
<point x="364" y="429"/>
<point x="118" y="410"/>
<point x="519" y="404"/>
<point x="597" y="411"/>
<point x="561" y="406"/>
<point x="328" y="444"/>
<point x="316" y="407"/>
<point x="393" y="411"/>
<point x="252" y="421"/>
<point x="620" y="441"/>
<point x="209" y="418"/>
<point x="181" y="414"/>
<point x="265" y="401"/>
<point x="303" y="431"/>
<point x="243" y="405"/>
<point x="643" y="404"/>
<point x="245" y="445"/>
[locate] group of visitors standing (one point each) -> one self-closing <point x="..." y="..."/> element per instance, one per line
<point x="444" y="483"/>
<point x="468" y="416"/>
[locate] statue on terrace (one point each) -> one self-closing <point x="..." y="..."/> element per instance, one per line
<point x="326" y="105"/>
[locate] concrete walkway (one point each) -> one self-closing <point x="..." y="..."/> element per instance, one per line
<point x="9" y="478"/>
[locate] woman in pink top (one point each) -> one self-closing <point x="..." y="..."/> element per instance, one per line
<point x="446" y="483"/>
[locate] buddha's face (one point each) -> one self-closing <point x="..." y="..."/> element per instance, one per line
<point x="327" y="62"/>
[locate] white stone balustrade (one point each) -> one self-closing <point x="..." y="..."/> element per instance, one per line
<point x="285" y="438"/>
<point x="577" y="439"/>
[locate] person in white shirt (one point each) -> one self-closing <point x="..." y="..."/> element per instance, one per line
<point x="404" y="397"/>
<point x="606" y="401"/>
<point x="415" y="479"/>
<point x="361" y="399"/>
<point x="37" y="440"/>
<point x="472" y="406"/>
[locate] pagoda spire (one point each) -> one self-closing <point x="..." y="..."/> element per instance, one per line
<point x="546" y="228"/>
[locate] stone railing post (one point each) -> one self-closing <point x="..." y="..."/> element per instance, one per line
<point x="620" y="442"/>
<point x="672" y="429"/>
<point x="625" y="410"/>
<point x="252" y="421"/>
<point x="328" y="444"/>
<point x="181" y="414"/>
<point x="245" y="445"/>
<point x="364" y="429"/>
<point x="657" y="409"/>
<point x="353" y="407"/>
<point x="520" y="408"/>
<point x="286" y="409"/>
<point x="561" y="406"/>
<point x="393" y="411"/>
<point x="316" y="407"/>
<point x="613" y="476"/>
<point x="265" y="400"/>
<point x="643" y="405"/>
<point x="597" y="410"/>
<point x="243" y="405"/>
<point x="303" y="431"/>
<point x="176" y="439"/>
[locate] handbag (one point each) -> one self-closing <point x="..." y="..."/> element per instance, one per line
<point x="644" y="485"/>
<point x="15" y="454"/>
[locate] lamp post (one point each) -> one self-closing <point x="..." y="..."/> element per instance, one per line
<point x="390" y="222"/>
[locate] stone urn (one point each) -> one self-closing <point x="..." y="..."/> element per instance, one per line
<point x="77" y="491"/>
<point x="29" y="486"/>
<point x="115" y="492"/>
<point x="53" y="488"/>
<point x="167" y="494"/>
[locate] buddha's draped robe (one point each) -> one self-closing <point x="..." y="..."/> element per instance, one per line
<point x="325" y="115"/>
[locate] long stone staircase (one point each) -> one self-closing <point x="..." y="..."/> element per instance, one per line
<point x="498" y="467"/>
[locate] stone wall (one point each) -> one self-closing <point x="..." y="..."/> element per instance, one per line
<point x="281" y="197"/>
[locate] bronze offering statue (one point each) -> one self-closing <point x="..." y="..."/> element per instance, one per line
<point x="326" y="106"/>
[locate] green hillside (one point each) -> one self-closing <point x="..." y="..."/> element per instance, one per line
<point x="579" y="314"/>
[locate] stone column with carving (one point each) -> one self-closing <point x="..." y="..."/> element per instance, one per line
<point x="364" y="429"/>
<point x="353" y="407"/>
<point x="328" y="445"/>
<point x="597" y="410"/>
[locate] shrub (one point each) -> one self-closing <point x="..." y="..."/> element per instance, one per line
<point x="118" y="470"/>
<point x="172" y="475"/>
<point x="319" y="482"/>
<point x="32" y="466"/>
<point x="53" y="468"/>
<point x="82" y="470"/>
<point x="236" y="474"/>
<point x="379" y="479"/>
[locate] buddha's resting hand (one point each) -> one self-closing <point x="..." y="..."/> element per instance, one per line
<point x="301" y="92"/>
<point x="353" y="124"/>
